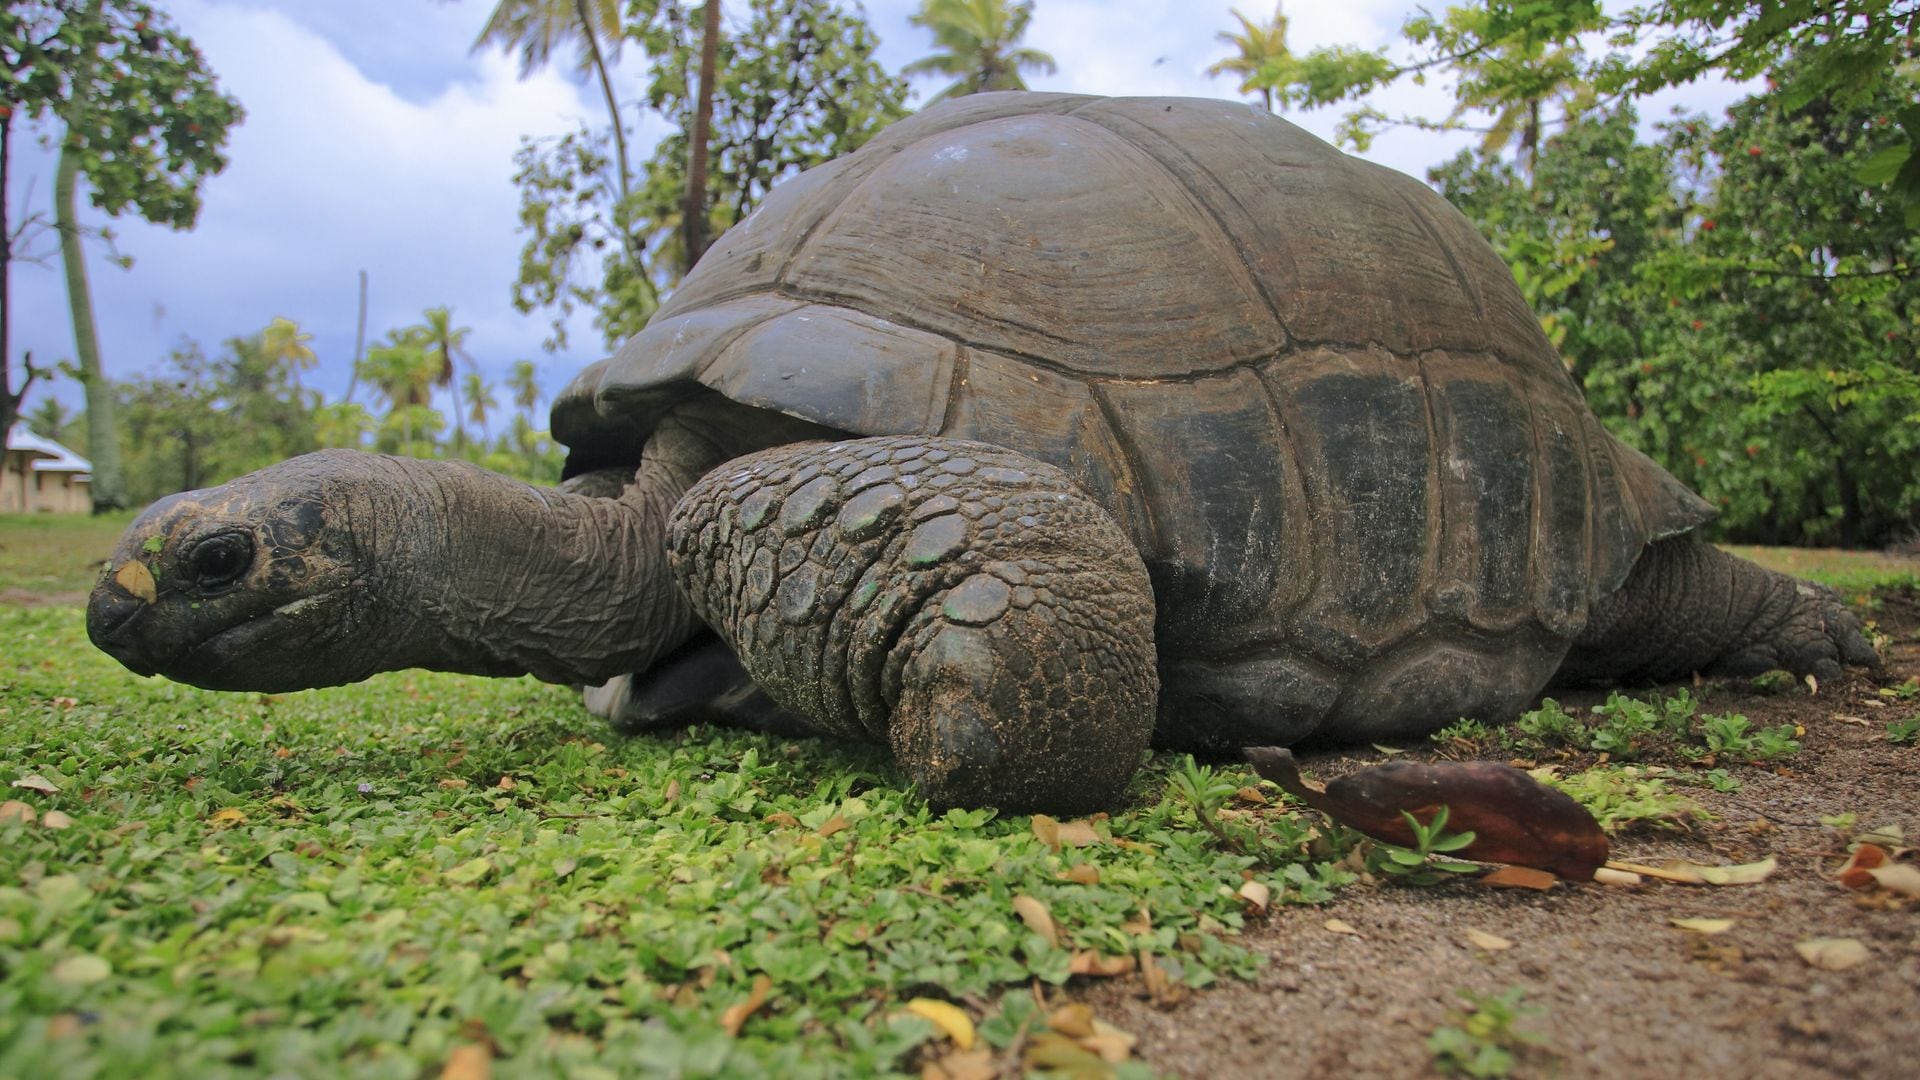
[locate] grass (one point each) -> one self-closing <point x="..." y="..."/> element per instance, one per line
<point x="1852" y="573"/>
<point x="368" y="877"/>
<point x="55" y="553"/>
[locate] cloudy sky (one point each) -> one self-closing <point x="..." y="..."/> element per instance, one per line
<point x="374" y="140"/>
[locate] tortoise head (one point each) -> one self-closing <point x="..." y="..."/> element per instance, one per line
<point x="258" y="584"/>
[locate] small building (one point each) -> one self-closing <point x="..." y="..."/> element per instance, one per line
<point x="41" y="476"/>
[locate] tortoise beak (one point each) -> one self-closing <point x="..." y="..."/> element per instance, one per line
<point x="111" y="614"/>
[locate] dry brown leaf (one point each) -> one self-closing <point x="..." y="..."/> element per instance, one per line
<point x="736" y="1015"/>
<point x="1151" y="974"/>
<point x="1832" y="954"/>
<point x="15" y="810"/>
<point x="226" y="818"/>
<point x="948" y="1017"/>
<point x="1078" y="833"/>
<point x="1075" y="1021"/>
<point x="1480" y="939"/>
<point x="1088" y="962"/>
<point x="38" y="783"/>
<point x="1519" y="877"/>
<point x="1688" y="873"/>
<point x="469" y="1061"/>
<point x="1341" y="926"/>
<point x="1139" y="924"/>
<point x="1113" y="1045"/>
<point x="1898" y="878"/>
<point x="507" y="783"/>
<point x="1081" y="874"/>
<point x="1037" y="917"/>
<point x="1252" y="796"/>
<point x="782" y="818"/>
<point x="1513" y="817"/>
<point x="64" y="1026"/>
<point x="1865" y="857"/>
<point x="453" y="783"/>
<point x="137" y="580"/>
<point x="1047" y="831"/>
<point x="54" y="819"/>
<point x="1051" y="1050"/>
<point x="1703" y="926"/>
<point x="1255" y="896"/>
<point x="834" y="824"/>
<point x="966" y="1065"/>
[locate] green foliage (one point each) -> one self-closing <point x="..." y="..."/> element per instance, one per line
<point x="1627" y="796"/>
<point x="200" y="421"/>
<point x="1903" y="732"/>
<point x="1484" y="1037"/>
<point x="797" y="86"/>
<point x="1626" y="728"/>
<point x="1421" y="864"/>
<point x="252" y="884"/>
<point x="979" y="45"/>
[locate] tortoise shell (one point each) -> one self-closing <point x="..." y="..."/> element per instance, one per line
<point x="1305" y="383"/>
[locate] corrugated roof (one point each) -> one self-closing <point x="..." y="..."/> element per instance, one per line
<point x="54" y="457"/>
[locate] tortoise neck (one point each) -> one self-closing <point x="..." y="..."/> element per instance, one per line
<point x="517" y="579"/>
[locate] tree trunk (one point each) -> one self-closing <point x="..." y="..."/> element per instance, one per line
<point x="589" y="32"/>
<point x="103" y="435"/>
<point x="694" y="215"/>
<point x="10" y="399"/>
<point x="359" y="342"/>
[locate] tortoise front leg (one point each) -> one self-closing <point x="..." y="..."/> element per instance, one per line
<point x="968" y="605"/>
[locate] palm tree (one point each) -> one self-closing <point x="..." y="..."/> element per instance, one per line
<point x="283" y="342"/>
<point x="978" y="42"/>
<point x="480" y="402"/>
<point x="403" y="371"/>
<point x="537" y="27"/>
<point x="49" y="418"/>
<point x="525" y="387"/>
<point x="446" y="343"/>
<point x="693" y="215"/>
<point x="341" y="424"/>
<point x="1258" y="46"/>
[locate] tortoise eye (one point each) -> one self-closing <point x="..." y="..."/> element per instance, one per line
<point x="221" y="559"/>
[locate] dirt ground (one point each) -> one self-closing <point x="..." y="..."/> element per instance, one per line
<point x="1619" y="991"/>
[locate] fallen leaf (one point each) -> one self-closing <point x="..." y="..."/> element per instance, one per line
<point x="1687" y="873"/>
<point x="1897" y="878"/>
<point x="1813" y="684"/>
<point x="1252" y="796"/>
<point x="1075" y="1021"/>
<point x="453" y="783"/>
<point x="1703" y="926"/>
<point x="15" y="810"/>
<point x="469" y="872"/>
<point x="1520" y="877"/>
<point x="781" y="817"/>
<point x="226" y="818"/>
<point x="1088" y="962"/>
<point x="36" y="782"/>
<point x="736" y="1015"/>
<point x="1514" y="818"/>
<point x="1613" y="875"/>
<point x="834" y="824"/>
<point x="1051" y="1050"/>
<point x="1490" y="942"/>
<point x="948" y="1017"/>
<point x="1153" y="976"/>
<point x="968" y="1065"/>
<point x="672" y="792"/>
<point x="1047" y="831"/>
<point x="1113" y="1045"/>
<point x="1256" y="896"/>
<point x="1078" y="833"/>
<point x="1865" y="857"/>
<point x="1139" y="924"/>
<point x="1832" y="954"/>
<point x="469" y="1061"/>
<point x="1081" y="874"/>
<point x="54" y="819"/>
<point x="1037" y="917"/>
<point x="64" y="1026"/>
<point x="1341" y="926"/>
<point x="507" y="783"/>
<point x="1887" y="836"/>
<point x="82" y="970"/>
<point x="137" y="580"/>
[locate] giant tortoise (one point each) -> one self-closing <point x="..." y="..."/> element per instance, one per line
<point x="1042" y="428"/>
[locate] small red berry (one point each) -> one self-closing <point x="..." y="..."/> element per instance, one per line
<point x="1709" y="225"/>
<point x="1697" y="324"/>
<point x="1753" y="151"/>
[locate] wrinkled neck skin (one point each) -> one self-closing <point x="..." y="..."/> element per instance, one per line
<point x="477" y="573"/>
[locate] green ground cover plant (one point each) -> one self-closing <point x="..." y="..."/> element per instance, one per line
<point x="373" y="876"/>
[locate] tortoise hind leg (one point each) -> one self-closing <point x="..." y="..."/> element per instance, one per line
<point x="965" y="604"/>
<point x="1690" y="607"/>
